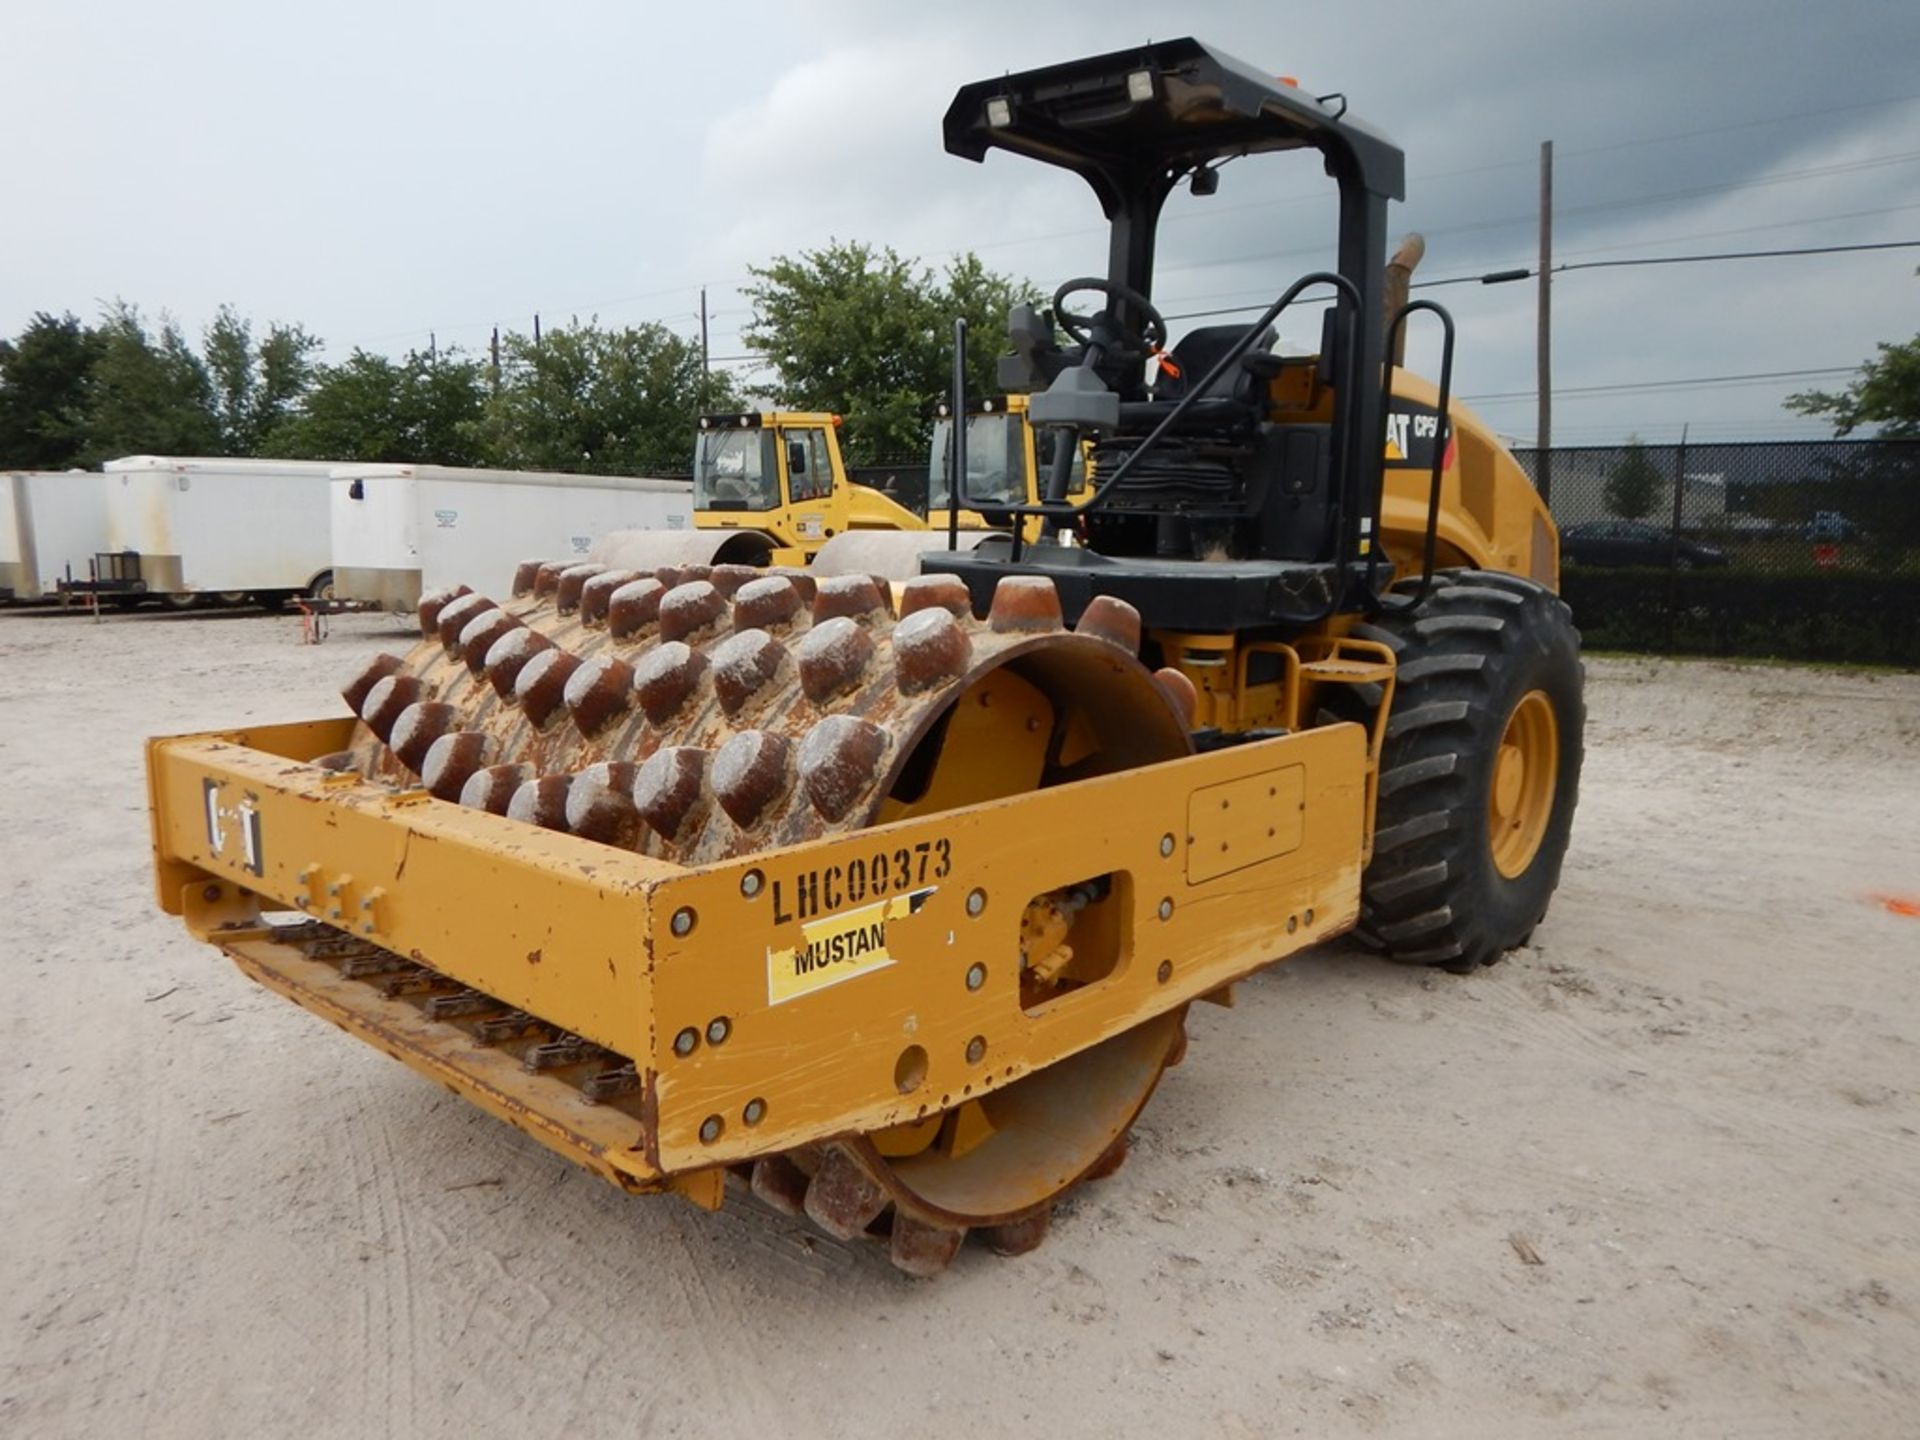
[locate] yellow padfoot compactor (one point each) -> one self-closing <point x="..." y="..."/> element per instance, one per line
<point x="890" y="899"/>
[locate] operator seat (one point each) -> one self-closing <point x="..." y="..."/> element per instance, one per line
<point x="1198" y="351"/>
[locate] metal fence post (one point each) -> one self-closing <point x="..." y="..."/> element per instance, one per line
<point x="1673" y="538"/>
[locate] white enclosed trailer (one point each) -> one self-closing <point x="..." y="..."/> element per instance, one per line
<point x="182" y="527"/>
<point x="400" y="530"/>
<point x="52" y="524"/>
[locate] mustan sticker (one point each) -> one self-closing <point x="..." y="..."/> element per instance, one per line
<point x="838" y="947"/>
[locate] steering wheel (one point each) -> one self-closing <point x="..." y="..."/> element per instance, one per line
<point x="1150" y="335"/>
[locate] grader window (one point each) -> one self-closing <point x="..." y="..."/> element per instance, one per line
<point x="734" y="470"/>
<point x="995" y="465"/>
<point x="809" y="475"/>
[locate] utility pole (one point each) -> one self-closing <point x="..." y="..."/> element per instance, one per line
<point x="495" y="349"/>
<point x="536" y="329"/>
<point x="703" y="332"/>
<point x="1543" y="443"/>
<point x="433" y="348"/>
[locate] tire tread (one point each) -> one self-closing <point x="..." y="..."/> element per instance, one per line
<point x="1461" y="655"/>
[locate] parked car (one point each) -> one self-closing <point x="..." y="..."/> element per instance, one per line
<point x="1633" y="542"/>
<point x="1831" y="527"/>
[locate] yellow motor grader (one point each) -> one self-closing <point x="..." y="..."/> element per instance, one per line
<point x="771" y="488"/>
<point x="889" y="901"/>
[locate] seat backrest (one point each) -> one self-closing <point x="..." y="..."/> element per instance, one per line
<point x="1198" y="351"/>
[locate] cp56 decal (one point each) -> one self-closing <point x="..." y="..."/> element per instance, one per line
<point x="1412" y="432"/>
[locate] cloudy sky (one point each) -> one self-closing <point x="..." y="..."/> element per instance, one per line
<point x="385" y="172"/>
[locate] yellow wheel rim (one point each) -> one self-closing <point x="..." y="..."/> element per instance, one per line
<point x="1520" y="797"/>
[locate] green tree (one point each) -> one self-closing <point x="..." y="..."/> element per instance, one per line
<point x="603" y="401"/>
<point x="45" y="377"/>
<point x="1886" y="394"/>
<point x="1633" y="485"/>
<point x="150" y="393"/>
<point x="255" y="387"/>
<point x="864" y="333"/>
<point x="1879" y="489"/>
<point x="422" y="409"/>
<point x="984" y="297"/>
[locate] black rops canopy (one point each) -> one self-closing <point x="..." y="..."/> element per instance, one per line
<point x="1088" y="116"/>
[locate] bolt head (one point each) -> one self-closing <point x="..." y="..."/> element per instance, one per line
<point x="685" y="1042"/>
<point x="976" y="975"/>
<point x="718" y="1029"/>
<point x="710" y="1129"/>
<point x="1166" y="845"/>
<point x="976" y="1049"/>
<point x="755" y="1112"/>
<point x="751" y="883"/>
<point x="682" y="922"/>
<point x="976" y="901"/>
<point x="1165" y="972"/>
<point x="1166" y="909"/>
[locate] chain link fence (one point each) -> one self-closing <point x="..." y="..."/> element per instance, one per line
<point x="1775" y="508"/>
<point x="1792" y="549"/>
<point x="1798" y="549"/>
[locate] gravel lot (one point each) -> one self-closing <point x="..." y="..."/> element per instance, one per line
<point x="1658" y="1175"/>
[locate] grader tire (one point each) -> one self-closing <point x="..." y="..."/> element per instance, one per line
<point x="1479" y="773"/>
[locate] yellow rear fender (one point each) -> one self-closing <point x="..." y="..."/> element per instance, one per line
<point x="1490" y="515"/>
<point x="868" y="509"/>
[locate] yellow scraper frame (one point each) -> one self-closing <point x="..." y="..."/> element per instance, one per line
<point x="669" y="966"/>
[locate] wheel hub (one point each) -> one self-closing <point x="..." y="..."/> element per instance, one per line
<point x="1520" y="795"/>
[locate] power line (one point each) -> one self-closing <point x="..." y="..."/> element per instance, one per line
<point x="1594" y="207"/>
<point x="1835" y="218"/>
<point x="1497" y="277"/>
<point x="1522" y="272"/>
<point x="1697" y="382"/>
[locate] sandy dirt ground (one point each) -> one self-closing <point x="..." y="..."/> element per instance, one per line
<point x="1657" y="1175"/>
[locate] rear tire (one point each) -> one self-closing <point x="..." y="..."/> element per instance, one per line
<point x="1480" y="771"/>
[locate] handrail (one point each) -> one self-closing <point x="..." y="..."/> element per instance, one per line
<point x="1442" y="437"/>
<point x="1067" y="511"/>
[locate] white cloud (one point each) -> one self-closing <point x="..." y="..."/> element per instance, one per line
<point x="380" y="172"/>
